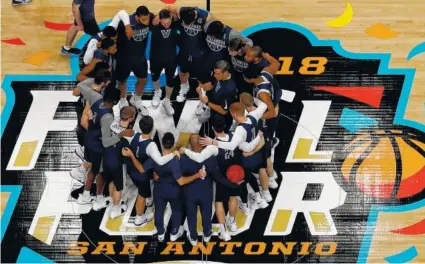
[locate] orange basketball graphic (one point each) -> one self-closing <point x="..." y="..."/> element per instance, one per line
<point x="386" y="164"/>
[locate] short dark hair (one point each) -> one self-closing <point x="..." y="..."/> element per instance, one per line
<point x="111" y="95"/>
<point x="109" y="32"/>
<point x="164" y="13"/>
<point x="258" y="51"/>
<point x="107" y="43"/>
<point x="215" y="28"/>
<point x="236" y="44"/>
<point x="101" y="67"/>
<point x="222" y="65"/>
<point x="142" y="11"/>
<point x="146" y="124"/>
<point x="218" y="123"/>
<point x="102" y="76"/>
<point x="188" y="15"/>
<point x="168" y="140"/>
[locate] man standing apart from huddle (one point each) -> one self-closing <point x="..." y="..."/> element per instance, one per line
<point x="83" y="11"/>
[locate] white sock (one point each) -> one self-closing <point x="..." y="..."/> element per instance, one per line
<point x="137" y="98"/>
<point x="115" y="207"/>
<point x="86" y="193"/>
<point x="222" y="228"/>
<point x="257" y="197"/>
<point x="232" y="219"/>
<point x="67" y="47"/>
<point x="99" y="196"/>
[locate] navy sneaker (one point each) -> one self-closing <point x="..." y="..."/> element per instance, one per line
<point x="71" y="51"/>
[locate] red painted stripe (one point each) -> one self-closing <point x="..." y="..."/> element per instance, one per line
<point x="371" y="95"/>
<point x="14" y="41"/>
<point x="57" y="26"/>
<point x="412" y="185"/>
<point x="415" y="229"/>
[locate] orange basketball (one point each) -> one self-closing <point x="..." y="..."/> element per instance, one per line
<point x="235" y="173"/>
<point x="386" y="164"/>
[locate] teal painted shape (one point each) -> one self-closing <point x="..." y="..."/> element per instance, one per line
<point x="29" y="256"/>
<point x="14" y="191"/>
<point x="353" y="120"/>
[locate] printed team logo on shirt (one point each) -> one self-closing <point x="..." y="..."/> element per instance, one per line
<point x="165" y="33"/>
<point x="140" y="34"/>
<point x="215" y="44"/>
<point x="239" y="65"/>
<point x="192" y="29"/>
<point x="217" y="87"/>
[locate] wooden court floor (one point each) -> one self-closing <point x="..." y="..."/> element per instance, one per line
<point x="405" y="17"/>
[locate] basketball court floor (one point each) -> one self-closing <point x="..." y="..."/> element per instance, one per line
<point x="351" y="172"/>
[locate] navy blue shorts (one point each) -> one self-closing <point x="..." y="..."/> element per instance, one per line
<point x="95" y="158"/>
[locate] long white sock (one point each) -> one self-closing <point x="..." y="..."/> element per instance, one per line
<point x="86" y="193"/>
<point x="222" y="228"/>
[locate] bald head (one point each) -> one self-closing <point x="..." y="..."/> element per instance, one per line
<point x="194" y="143"/>
<point x="127" y="112"/>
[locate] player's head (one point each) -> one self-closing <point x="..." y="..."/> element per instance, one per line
<point x="165" y="18"/>
<point x="168" y="140"/>
<point x="236" y="46"/>
<point x="146" y="125"/>
<point x="127" y="113"/>
<point x="110" y="32"/>
<point x="246" y="99"/>
<point x="143" y="15"/>
<point x="253" y="54"/>
<point x="194" y="143"/>
<point x="102" y="67"/>
<point x="221" y="70"/>
<point x="109" y="46"/>
<point x="237" y="110"/>
<point x="111" y="96"/>
<point x="102" y="78"/>
<point x="188" y="15"/>
<point x="218" y="124"/>
<point x="215" y="29"/>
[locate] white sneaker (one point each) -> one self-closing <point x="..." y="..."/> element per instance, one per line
<point x="257" y="202"/>
<point x="84" y="199"/>
<point x="142" y="220"/>
<point x="161" y="237"/>
<point x="266" y="195"/>
<point x="80" y="153"/>
<point x="184" y="89"/>
<point x="176" y="236"/>
<point x="100" y="203"/>
<point x="139" y="105"/>
<point x="231" y="225"/>
<point x="123" y="103"/>
<point x="207" y="237"/>
<point x="117" y="211"/>
<point x="79" y="174"/>
<point x="167" y="106"/>
<point x="244" y="208"/>
<point x="200" y="109"/>
<point x="205" y="116"/>
<point x="156" y="98"/>
<point x="223" y="235"/>
<point x="193" y="242"/>
<point x="272" y="183"/>
<point x="274" y="176"/>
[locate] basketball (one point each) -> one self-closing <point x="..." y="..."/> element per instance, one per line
<point x="235" y="173"/>
<point x="386" y="164"/>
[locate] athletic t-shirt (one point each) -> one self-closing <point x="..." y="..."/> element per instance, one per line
<point x="86" y="8"/>
<point x="192" y="37"/>
<point x="164" y="41"/>
<point x="136" y="46"/>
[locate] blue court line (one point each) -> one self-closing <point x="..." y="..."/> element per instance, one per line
<point x="352" y="120"/>
<point x="27" y="255"/>
<point x="403" y="257"/>
<point x="418" y="49"/>
<point x="14" y="191"/>
<point x="371" y="223"/>
<point x="335" y="44"/>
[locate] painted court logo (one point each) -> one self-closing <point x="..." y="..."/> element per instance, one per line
<point x="347" y="158"/>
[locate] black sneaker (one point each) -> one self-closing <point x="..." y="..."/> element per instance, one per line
<point x="71" y="51"/>
<point x="20" y="2"/>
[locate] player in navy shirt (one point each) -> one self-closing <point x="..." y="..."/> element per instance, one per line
<point x="256" y="61"/>
<point x="163" y="56"/>
<point x="167" y="189"/>
<point x="132" y="41"/>
<point x="268" y="90"/>
<point x="237" y="51"/>
<point x="103" y="54"/>
<point x="192" y="45"/>
<point x="220" y="94"/>
<point x="94" y="42"/>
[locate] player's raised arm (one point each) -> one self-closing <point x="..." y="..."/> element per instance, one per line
<point x="274" y="64"/>
<point x="153" y="152"/>
<point x="238" y="137"/>
<point x="200" y="157"/>
<point x="271" y="111"/>
<point x="121" y="16"/>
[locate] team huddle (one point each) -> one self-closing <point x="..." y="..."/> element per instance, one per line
<point x="238" y="104"/>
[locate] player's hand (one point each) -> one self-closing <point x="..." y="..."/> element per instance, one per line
<point x="176" y="154"/>
<point x="246" y="154"/>
<point x="126" y="152"/>
<point x="155" y="20"/>
<point x="199" y="91"/>
<point x="127" y="133"/>
<point x="182" y="150"/>
<point x="260" y="133"/>
<point x="129" y="31"/>
<point x="202" y="173"/>
<point x="90" y="115"/>
<point x="155" y="176"/>
<point x="205" y="141"/>
<point x="203" y="99"/>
